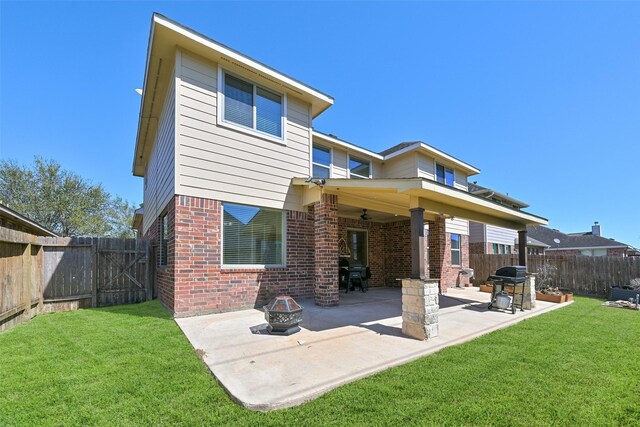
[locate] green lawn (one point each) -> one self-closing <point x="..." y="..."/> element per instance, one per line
<point x="131" y="365"/>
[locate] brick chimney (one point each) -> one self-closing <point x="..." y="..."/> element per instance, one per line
<point x="595" y="229"/>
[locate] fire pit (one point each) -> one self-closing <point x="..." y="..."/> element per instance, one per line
<point x="283" y="314"/>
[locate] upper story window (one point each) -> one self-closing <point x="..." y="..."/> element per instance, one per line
<point x="359" y="168"/>
<point x="252" y="106"/>
<point x="444" y="175"/>
<point x="321" y="162"/>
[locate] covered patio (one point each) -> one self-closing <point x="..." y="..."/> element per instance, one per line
<point x="336" y="345"/>
<point x="399" y="208"/>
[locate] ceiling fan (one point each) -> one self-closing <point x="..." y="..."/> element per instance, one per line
<point x="365" y="216"/>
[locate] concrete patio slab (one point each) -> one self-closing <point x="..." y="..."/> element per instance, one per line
<point x="336" y="345"/>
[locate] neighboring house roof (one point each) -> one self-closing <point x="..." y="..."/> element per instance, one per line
<point x="536" y="243"/>
<point x="481" y="191"/>
<point x="137" y="218"/>
<point x="572" y="241"/>
<point x="533" y="243"/>
<point x="22" y="223"/>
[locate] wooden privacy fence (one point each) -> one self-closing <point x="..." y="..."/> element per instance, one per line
<point x="107" y="271"/>
<point x="584" y="275"/>
<point x="45" y="274"/>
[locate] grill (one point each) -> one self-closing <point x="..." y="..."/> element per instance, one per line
<point x="512" y="274"/>
<point x="505" y="278"/>
<point x="352" y="273"/>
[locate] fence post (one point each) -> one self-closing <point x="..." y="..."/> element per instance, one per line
<point x="94" y="274"/>
<point x="26" y="281"/>
<point x="147" y="276"/>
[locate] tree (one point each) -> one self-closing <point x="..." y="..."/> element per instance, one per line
<point x="121" y="218"/>
<point x="61" y="200"/>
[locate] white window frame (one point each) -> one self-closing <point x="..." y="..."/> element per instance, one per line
<point x="245" y="129"/>
<point x="253" y="266"/>
<point x="435" y="173"/>
<point x="355" y="174"/>
<point x="320" y="164"/>
<point x="459" y="250"/>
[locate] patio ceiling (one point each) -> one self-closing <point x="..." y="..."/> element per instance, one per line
<point x="395" y="196"/>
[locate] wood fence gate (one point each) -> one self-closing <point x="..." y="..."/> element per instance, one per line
<point x="48" y="274"/>
<point x="104" y="271"/>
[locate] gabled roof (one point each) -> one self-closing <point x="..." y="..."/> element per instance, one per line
<point x="399" y="149"/>
<point x="405" y="147"/>
<point x="23" y="223"/>
<point x="569" y="241"/>
<point x="165" y="37"/>
<point x="396" y="147"/>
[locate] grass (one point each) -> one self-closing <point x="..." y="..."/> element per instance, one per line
<point x="131" y="365"/>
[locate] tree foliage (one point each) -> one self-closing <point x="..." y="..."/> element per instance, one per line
<point x="63" y="201"/>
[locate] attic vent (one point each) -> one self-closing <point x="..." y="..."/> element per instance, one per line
<point x="236" y="64"/>
<point x="261" y="75"/>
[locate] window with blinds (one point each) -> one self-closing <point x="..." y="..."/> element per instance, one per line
<point x="251" y="106"/>
<point x="238" y="105"/>
<point x="321" y="162"/>
<point x="252" y="235"/>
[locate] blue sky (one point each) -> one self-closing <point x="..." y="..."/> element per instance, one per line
<point x="543" y="97"/>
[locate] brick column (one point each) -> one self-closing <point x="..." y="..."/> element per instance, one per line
<point x="325" y="214"/>
<point x="437" y="248"/>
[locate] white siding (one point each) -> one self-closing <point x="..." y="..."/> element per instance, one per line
<point x="426" y="167"/>
<point x="460" y="180"/>
<point x="160" y="174"/>
<point x="476" y="232"/>
<point x="339" y="163"/>
<point x="401" y="167"/>
<point x="457" y="226"/>
<point x="376" y="169"/>
<point x="501" y="235"/>
<point x="219" y="163"/>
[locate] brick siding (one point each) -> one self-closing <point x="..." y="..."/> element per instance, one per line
<point x="397" y="252"/>
<point x="326" y="291"/>
<point x="376" y="239"/>
<point x="164" y="275"/>
<point x="195" y="282"/>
